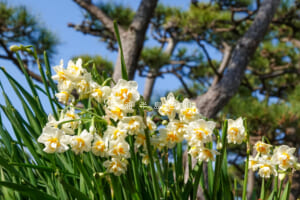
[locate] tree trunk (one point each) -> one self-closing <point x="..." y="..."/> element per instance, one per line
<point x="218" y="95"/>
<point x="150" y="80"/>
<point x="133" y="39"/>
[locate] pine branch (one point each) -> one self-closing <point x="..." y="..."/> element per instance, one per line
<point x="99" y="14"/>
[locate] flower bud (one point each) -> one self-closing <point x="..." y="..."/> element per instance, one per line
<point x="297" y="166"/>
<point x="281" y="176"/>
<point x="164" y="122"/>
<point x="219" y="146"/>
<point x="14" y="48"/>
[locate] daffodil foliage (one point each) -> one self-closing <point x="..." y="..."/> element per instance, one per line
<point x="102" y="141"/>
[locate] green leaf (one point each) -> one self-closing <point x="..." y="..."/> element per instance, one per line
<point x="73" y="191"/>
<point x="123" y="65"/>
<point x="30" y="192"/>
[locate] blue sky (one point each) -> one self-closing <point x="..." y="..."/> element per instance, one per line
<point x="56" y="14"/>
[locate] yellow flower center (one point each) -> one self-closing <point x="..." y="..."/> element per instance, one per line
<point x="71" y="115"/>
<point x="124" y="95"/>
<point x="80" y="143"/>
<point x="199" y="133"/>
<point x="171" y="136"/>
<point x="99" y="92"/>
<point x="100" y="146"/>
<point x="284" y="158"/>
<point x="61" y="75"/>
<point x="54" y="143"/>
<point x="118" y="150"/>
<point x="74" y="67"/>
<point x="208" y="153"/>
<point x="233" y="131"/>
<point x="189" y="112"/>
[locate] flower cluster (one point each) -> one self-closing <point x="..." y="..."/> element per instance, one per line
<point x="185" y="122"/>
<point x="59" y="135"/>
<point x="124" y="132"/>
<point x="267" y="159"/>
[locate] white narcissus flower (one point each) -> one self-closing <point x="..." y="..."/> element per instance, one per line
<point x="253" y="163"/>
<point x="145" y="159"/>
<point x="169" y="137"/>
<point x="83" y="87"/>
<point x="263" y="148"/>
<point x="115" y="112"/>
<point x="113" y="133"/>
<point x="116" y="166"/>
<point x="283" y="156"/>
<point x="64" y="97"/>
<point x="151" y="125"/>
<point x="266" y="169"/>
<point x="188" y="111"/>
<point x="125" y="92"/>
<point x="178" y="127"/>
<point x="194" y="151"/>
<point x="199" y="131"/>
<point x="99" y="93"/>
<point x="206" y="154"/>
<point x="100" y="146"/>
<point x="140" y="140"/>
<point x="133" y="125"/>
<point x="75" y="70"/>
<point x="53" y="139"/>
<point x="67" y="116"/>
<point x="82" y="142"/>
<point x="61" y="74"/>
<point x="119" y="148"/>
<point x="235" y="131"/>
<point x="169" y="107"/>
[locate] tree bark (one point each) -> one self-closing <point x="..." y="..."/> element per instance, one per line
<point x="218" y="95"/>
<point x="133" y="39"/>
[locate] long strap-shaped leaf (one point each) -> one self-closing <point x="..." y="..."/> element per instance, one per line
<point x="123" y="65"/>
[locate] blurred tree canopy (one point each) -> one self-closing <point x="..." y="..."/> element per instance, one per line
<point x="19" y="27"/>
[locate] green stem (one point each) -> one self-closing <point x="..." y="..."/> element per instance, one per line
<point x="280" y="189"/>
<point x="152" y="169"/>
<point x="262" y="190"/>
<point x="276" y="185"/>
<point x="219" y="160"/>
<point x="134" y="165"/>
<point x="247" y="162"/>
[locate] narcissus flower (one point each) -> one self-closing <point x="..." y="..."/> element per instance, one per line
<point x="199" y="131"/>
<point x="64" y="97"/>
<point x="262" y="147"/>
<point x="99" y="93"/>
<point x="169" y="137"/>
<point x="82" y="142"/>
<point x="100" y="146"/>
<point x="53" y="139"/>
<point x="125" y="92"/>
<point x="133" y="125"/>
<point x="169" y="107"/>
<point x="235" y="131"/>
<point x="188" y="111"/>
<point x="206" y="154"/>
<point x="253" y="163"/>
<point x="151" y="125"/>
<point x="266" y="169"/>
<point x="113" y="133"/>
<point x="116" y="166"/>
<point x="283" y="156"/>
<point x="119" y="148"/>
<point x="75" y="70"/>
